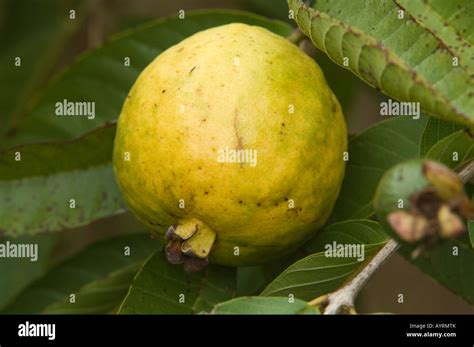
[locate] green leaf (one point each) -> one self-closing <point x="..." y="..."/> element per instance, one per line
<point x="275" y="8"/>
<point x="100" y="76"/>
<point x="361" y="231"/>
<point x="321" y="273"/>
<point x="450" y="264"/>
<point x="470" y="228"/>
<point x="162" y="288"/>
<point x="371" y="153"/>
<point x="34" y="31"/>
<point x="101" y="296"/>
<point x="398" y="56"/>
<point x="99" y="276"/>
<point x="435" y="131"/>
<point x="252" y="280"/>
<point x="453" y="150"/>
<point x="18" y="273"/>
<point x="341" y="81"/>
<point x="37" y="183"/>
<point x="262" y="305"/>
<point x="449" y="21"/>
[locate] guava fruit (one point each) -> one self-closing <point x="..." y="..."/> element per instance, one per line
<point x="422" y="202"/>
<point x="233" y="138"/>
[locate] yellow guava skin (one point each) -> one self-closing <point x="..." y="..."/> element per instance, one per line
<point x="240" y="87"/>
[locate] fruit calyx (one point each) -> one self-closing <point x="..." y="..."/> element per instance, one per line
<point x="189" y="243"/>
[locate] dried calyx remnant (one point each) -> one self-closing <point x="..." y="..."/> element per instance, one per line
<point x="436" y="212"/>
<point x="189" y="243"/>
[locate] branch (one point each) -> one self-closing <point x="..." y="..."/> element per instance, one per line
<point x="467" y="173"/>
<point x="342" y="300"/>
<point x="296" y="36"/>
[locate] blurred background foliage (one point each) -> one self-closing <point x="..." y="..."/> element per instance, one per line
<point x="39" y="32"/>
